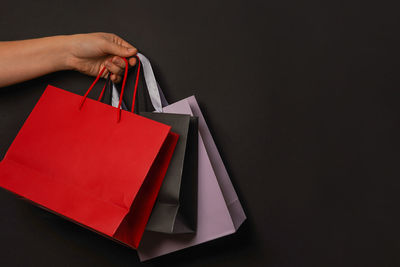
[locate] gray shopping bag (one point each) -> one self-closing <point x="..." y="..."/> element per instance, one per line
<point x="175" y="210"/>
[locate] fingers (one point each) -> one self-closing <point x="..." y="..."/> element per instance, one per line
<point x="115" y="78"/>
<point x="116" y="66"/>
<point x="116" y="39"/>
<point x="105" y="72"/>
<point x="115" y="45"/>
<point x="132" y="61"/>
<point x="115" y="70"/>
<point x="118" y="50"/>
<point x="118" y="62"/>
<point x="122" y="42"/>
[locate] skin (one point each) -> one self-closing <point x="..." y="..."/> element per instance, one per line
<point x="86" y="53"/>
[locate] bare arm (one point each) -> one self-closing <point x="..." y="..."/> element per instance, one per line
<point x="87" y="53"/>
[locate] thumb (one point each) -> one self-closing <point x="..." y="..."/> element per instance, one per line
<point x="119" y="50"/>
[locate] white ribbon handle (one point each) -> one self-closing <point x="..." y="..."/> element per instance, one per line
<point x="151" y="83"/>
<point x="164" y="101"/>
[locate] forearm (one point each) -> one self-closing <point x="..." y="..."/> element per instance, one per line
<point x="28" y="59"/>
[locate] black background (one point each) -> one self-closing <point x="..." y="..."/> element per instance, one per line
<point x="302" y="98"/>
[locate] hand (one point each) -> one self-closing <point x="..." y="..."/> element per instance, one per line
<point x="88" y="53"/>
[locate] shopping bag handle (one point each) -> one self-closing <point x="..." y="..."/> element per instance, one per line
<point x="156" y="94"/>
<point x="151" y="83"/>
<point x="122" y="88"/>
<point x="108" y="82"/>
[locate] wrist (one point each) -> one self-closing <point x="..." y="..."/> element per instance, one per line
<point x="58" y="51"/>
<point x="65" y="57"/>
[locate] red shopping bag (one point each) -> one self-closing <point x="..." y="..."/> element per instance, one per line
<point x="63" y="160"/>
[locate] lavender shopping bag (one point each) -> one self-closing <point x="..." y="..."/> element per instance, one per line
<point x="219" y="212"/>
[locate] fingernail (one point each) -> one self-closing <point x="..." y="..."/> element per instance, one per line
<point x="130" y="50"/>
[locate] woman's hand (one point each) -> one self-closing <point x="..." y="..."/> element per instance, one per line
<point x="88" y="53"/>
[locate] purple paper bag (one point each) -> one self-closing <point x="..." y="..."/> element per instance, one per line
<point x="219" y="212"/>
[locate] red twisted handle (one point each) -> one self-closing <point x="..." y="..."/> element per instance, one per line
<point x="122" y="88"/>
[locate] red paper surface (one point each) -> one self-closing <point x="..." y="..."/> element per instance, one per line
<point x="86" y="166"/>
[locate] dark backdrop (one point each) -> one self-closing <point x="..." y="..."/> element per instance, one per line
<point x="302" y="98"/>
